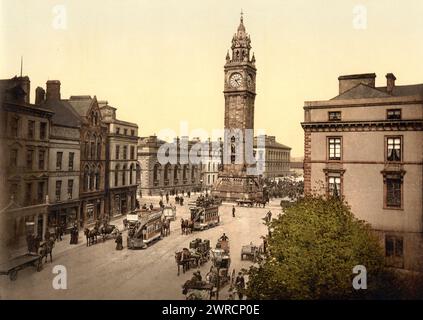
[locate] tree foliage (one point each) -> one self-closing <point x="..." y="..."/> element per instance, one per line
<point x="312" y="251"/>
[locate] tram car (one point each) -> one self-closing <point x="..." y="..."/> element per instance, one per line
<point x="147" y="230"/>
<point x="204" y="217"/>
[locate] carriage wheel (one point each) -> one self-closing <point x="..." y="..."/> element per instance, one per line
<point x="13" y="275"/>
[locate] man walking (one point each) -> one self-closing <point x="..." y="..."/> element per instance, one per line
<point x="233" y="211"/>
<point x="240" y="285"/>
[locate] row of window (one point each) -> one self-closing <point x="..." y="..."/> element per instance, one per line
<point x="125" y="131"/>
<point x="393" y="148"/>
<point x="14" y="128"/>
<point x="391" y="114"/>
<point x="125" y="153"/>
<point x="28" y="195"/>
<point x="92" y="149"/>
<point x="29" y="160"/>
<point x="59" y="160"/>
<point x="393" y="189"/>
<point x="59" y="190"/>
<point x="277" y="155"/>
<point x="124" y="172"/>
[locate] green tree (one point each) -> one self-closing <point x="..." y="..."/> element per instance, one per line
<point x="312" y="251"/>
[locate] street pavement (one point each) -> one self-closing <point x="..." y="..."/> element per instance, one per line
<point x="101" y="272"/>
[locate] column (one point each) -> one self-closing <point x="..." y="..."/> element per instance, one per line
<point x="35" y="224"/>
<point x="45" y="217"/>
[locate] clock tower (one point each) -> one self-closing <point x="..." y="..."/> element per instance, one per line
<point x="235" y="181"/>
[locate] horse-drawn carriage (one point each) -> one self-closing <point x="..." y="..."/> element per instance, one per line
<point x="146" y="230"/>
<point x="198" y="290"/>
<point x="204" y="217"/>
<point x="169" y="213"/>
<point x="101" y="229"/>
<point x="221" y="262"/>
<point x="202" y="248"/>
<point x="244" y="203"/>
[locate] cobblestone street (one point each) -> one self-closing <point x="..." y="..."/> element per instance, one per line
<point x="101" y="272"/>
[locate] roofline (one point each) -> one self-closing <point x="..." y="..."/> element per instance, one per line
<point x="363" y="102"/>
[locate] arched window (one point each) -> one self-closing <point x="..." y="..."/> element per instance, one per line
<point x="138" y="174"/>
<point x="92" y="177"/>
<point x="124" y="175"/>
<point x="193" y="170"/>
<point x="184" y="172"/>
<point x="97" y="179"/>
<point x="233" y="149"/>
<point x="92" y="146"/>
<point x="175" y="173"/>
<point x="156" y="172"/>
<point x="99" y="148"/>
<point x="116" y="175"/>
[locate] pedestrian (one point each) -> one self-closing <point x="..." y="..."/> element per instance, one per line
<point x="233" y="211"/>
<point x="181" y="201"/>
<point x="151" y="206"/>
<point x="240" y="285"/>
<point x="119" y="242"/>
<point x="161" y="203"/>
<point x="167" y="197"/>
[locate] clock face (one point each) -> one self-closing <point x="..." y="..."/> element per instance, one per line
<point x="250" y="82"/>
<point x="235" y="80"/>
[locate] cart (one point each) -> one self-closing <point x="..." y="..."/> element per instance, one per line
<point x="169" y="212"/>
<point x="245" y="203"/>
<point x="12" y="267"/>
<point x="250" y="252"/>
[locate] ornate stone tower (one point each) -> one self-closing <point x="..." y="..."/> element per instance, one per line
<point x="235" y="181"/>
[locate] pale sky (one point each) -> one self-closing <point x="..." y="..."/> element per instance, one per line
<point x="161" y="62"/>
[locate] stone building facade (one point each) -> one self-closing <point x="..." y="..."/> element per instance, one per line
<point x="366" y="144"/>
<point x="93" y="132"/>
<point x="24" y="141"/>
<point x="161" y="178"/>
<point x="212" y="164"/>
<point x="122" y="164"/>
<point x="274" y="158"/>
<point x="64" y="157"/>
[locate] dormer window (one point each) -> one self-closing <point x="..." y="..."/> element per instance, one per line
<point x="334" y="115"/>
<point x="117" y="130"/>
<point x="393" y="114"/>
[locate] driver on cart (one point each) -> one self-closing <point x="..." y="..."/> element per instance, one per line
<point x="224" y="237"/>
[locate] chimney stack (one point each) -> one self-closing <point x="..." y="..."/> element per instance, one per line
<point x="40" y="95"/>
<point x="26" y="86"/>
<point x="390" y="82"/>
<point x="350" y="81"/>
<point x="53" y="90"/>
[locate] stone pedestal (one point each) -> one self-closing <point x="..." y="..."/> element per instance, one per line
<point x="229" y="187"/>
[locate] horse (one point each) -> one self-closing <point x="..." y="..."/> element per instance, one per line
<point x="46" y="250"/>
<point x="91" y="236"/>
<point x="185" y="259"/>
<point x="108" y="229"/>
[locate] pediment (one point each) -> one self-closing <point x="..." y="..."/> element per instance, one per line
<point x="362" y="91"/>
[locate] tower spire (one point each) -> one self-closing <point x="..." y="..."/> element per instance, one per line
<point x="241" y="43"/>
